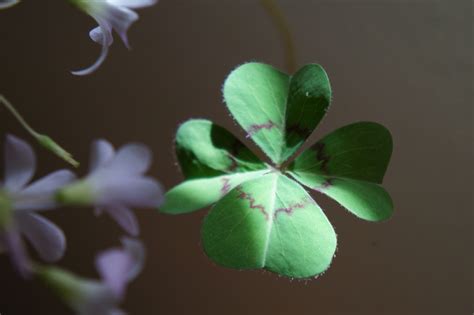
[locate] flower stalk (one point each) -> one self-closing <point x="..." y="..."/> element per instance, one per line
<point x="281" y="23"/>
<point x="42" y="139"/>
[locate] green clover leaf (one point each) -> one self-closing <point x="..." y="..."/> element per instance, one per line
<point x="262" y="216"/>
<point x="277" y="111"/>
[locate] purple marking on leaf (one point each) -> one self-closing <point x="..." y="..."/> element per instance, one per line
<point x="225" y="186"/>
<point x="246" y="196"/>
<point x="233" y="163"/>
<point x="253" y="129"/>
<point x="322" y="156"/>
<point x="289" y="210"/>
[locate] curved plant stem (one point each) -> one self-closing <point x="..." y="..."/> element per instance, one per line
<point x="18" y="117"/>
<point x="281" y="24"/>
<point x="44" y="140"/>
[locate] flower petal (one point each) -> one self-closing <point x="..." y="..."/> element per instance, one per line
<point x="119" y="266"/>
<point x="8" y="3"/>
<point x="133" y="3"/>
<point x="132" y="158"/>
<point x="125" y="218"/>
<point x="133" y="192"/>
<point x="20" y="163"/>
<point x="40" y="194"/>
<point x="120" y="18"/>
<point x="113" y="266"/>
<point x="97" y="35"/>
<point x="136" y="249"/>
<point x="92" y="298"/>
<point x="46" y="237"/>
<point x="106" y="39"/>
<point x="116" y="312"/>
<point x="50" y="183"/>
<point x="102" y="152"/>
<point x="13" y="245"/>
<point x="84" y="296"/>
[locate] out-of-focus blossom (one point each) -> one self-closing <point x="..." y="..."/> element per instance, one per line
<point x="111" y="15"/>
<point x="19" y="202"/>
<point x="115" y="183"/>
<point x="8" y="3"/>
<point x="116" y="267"/>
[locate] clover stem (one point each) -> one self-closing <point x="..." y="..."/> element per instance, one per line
<point x="283" y="27"/>
<point x="44" y="140"/>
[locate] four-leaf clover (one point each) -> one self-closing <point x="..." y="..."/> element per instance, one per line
<point x="263" y="217"/>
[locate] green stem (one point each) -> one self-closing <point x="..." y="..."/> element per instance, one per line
<point x="283" y="27"/>
<point x="18" y="117"/>
<point x="44" y="140"/>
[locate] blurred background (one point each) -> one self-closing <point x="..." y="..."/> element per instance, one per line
<point x="405" y="64"/>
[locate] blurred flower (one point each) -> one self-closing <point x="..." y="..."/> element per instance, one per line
<point x="8" y="3"/>
<point x="110" y="15"/>
<point x="18" y="201"/>
<point x="117" y="267"/>
<point x="115" y="183"/>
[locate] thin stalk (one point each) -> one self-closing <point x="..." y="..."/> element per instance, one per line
<point x="279" y="19"/>
<point x="44" y="140"/>
<point x="18" y="117"/>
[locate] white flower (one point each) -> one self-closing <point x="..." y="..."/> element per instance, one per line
<point x="19" y="201"/>
<point x="115" y="183"/>
<point x="117" y="267"/>
<point x="110" y="15"/>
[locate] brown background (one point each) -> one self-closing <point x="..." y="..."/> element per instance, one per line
<point x="405" y="64"/>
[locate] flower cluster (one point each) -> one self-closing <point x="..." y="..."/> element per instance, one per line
<point x="115" y="183"/>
